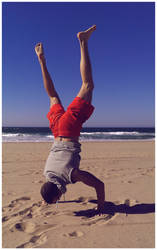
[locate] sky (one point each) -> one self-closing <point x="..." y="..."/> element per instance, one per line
<point x="122" y="53"/>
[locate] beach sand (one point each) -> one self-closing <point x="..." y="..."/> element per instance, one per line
<point x="126" y="168"/>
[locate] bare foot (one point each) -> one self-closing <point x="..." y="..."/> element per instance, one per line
<point x="40" y="52"/>
<point x="84" y="35"/>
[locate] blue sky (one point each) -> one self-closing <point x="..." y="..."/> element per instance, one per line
<point x="122" y="52"/>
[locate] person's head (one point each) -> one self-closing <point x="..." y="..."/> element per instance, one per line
<point x="50" y="192"/>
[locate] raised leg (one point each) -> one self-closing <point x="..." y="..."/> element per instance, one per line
<point x="48" y="83"/>
<point x="85" y="66"/>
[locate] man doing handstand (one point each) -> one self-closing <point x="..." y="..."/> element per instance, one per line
<point x="62" y="166"/>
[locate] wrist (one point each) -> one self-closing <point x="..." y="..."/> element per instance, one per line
<point x="100" y="194"/>
<point x="41" y="59"/>
<point x="101" y="202"/>
<point x="42" y="62"/>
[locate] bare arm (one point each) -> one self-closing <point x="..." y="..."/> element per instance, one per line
<point x="48" y="84"/>
<point x="90" y="180"/>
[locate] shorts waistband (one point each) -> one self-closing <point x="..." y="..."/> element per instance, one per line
<point x="63" y="138"/>
<point x="66" y="143"/>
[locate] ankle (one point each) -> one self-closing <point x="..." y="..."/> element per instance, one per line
<point x="83" y="43"/>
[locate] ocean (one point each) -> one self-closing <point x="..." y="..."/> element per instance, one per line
<point x="43" y="134"/>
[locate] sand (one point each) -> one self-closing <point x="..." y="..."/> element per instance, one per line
<point x="127" y="169"/>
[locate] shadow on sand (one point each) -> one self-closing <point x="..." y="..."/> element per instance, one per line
<point x="111" y="208"/>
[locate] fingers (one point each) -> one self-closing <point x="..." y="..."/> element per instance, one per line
<point x="100" y="209"/>
<point x="101" y="213"/>
<point x="39" y="47"/>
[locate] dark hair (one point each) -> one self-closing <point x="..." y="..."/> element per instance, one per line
<point x="49" y="191"/>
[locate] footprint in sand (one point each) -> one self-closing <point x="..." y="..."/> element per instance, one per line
<point x="17" y="201"/>
<point x="35" y="241"/>
<point x="99" y="220"/>
<point x="14" y="205"/>
<point x="5" y="218"/>
<point x="32" y="211"/>
<point x="38" y="232"/>
<point x="74" y="234"/>
<point x="48" y="213"/>
<point x="29" y="228"/>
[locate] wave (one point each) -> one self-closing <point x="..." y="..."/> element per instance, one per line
<point x="20" y="137"/>
<point x="84" y="136"/>
<point x="111" y="133"/>
<point x="10" y="135"/>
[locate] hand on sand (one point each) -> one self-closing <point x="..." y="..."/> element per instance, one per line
<point x="100" y="209"/>
<point x="40" y="52"/>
